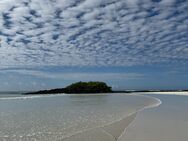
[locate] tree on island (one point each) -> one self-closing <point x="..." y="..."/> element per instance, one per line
<point x="79" y="87"/>
<point x="88" y="87"/>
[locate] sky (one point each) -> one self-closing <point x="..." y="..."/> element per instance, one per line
<point x="130" y="44"/>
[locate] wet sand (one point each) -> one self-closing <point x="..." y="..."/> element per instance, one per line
<point x="109" y="132"/>
<point x="114" y="131"/>
<point x="168" y="122"/>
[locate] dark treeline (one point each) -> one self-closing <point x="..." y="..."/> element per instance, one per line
<point x="79" y="87"/>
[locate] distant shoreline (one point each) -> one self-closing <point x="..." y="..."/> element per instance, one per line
<point x="182" y="93"/>
<point x="51" y="91"/>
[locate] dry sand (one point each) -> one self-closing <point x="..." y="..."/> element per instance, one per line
<point x="168" y="93"/>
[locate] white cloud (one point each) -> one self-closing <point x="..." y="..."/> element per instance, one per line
<point x="93" y="32"/>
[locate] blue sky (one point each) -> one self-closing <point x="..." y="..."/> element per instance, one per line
<point x="130" y="44"/>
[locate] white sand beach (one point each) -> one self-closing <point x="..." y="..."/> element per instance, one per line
<point x="168" y="122"/>
<point x="116" y="117"/>
<point x="168" y="93"/>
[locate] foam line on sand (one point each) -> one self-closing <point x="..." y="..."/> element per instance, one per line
<point x="109" y="132"/>
<point x="112" y="131"/>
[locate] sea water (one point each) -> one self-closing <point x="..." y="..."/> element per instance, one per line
<point x="63" y="117"/>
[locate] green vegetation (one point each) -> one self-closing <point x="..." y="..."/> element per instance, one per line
<point x="79" y="87"/>
<point x="88" y="87"/>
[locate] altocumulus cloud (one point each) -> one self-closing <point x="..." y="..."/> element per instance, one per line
<point x="93" y="32"/>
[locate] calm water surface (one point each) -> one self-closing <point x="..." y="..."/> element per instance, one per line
<point x="47" y="118"/>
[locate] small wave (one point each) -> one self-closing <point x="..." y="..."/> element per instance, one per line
<point x="112" y="131"/>
<point x="24" y="97"/>
<point x="154" y="104"/>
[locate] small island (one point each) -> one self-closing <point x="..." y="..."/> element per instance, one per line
<point x="79" y="88"/>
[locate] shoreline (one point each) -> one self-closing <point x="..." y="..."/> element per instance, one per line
<point x="141" y="110"/>
<point x="166" y="93"/>
<point x="111" y="131"/>
<point x="31" y="96"/>
<point x="108" y="131"/>
<point x="158" y="124"/>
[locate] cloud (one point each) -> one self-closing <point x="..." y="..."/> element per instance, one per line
<point x="93" y="32"/>
<point x="75" y="76"/>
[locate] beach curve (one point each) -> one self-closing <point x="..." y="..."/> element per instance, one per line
<point x="112" y="131"/>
